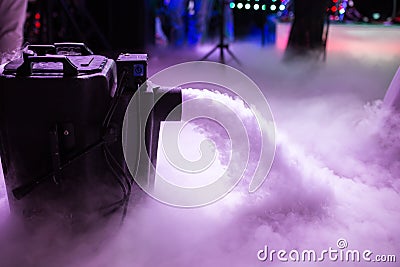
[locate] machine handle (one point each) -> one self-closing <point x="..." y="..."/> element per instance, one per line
<point x="42" y="50"/>
<point x="69" y="69"/>
<point x="70" y="48"/>
<point x="61" y="49"/>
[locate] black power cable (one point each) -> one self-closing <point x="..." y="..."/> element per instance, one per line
<point x="128" y="182"/>
<point x="108" y="155"/>
<point x="115" y="100"/>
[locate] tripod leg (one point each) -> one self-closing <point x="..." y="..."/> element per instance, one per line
<point x="221" y="55"/>
<point x="222" y="44"/>
<point x="233" y="56"/>
<point x="209" y="53"/>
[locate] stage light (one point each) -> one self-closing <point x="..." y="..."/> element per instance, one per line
<point x="264" y="6"/>
<point x="37" y="16"/>
<point x="342" y="11"/>
<point x="334" y="9"/>
<point x="376" y="16"/>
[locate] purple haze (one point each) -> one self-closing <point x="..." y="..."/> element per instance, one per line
<point x="335" y="175"/>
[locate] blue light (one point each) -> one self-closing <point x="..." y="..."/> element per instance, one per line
<point x="232" y="5"/>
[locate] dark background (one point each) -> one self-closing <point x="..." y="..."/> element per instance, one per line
<point x="368" y="7"/>
<point x="120" y="25"/>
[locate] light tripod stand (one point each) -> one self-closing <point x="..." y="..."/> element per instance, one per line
<point x="222" y="46"/>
